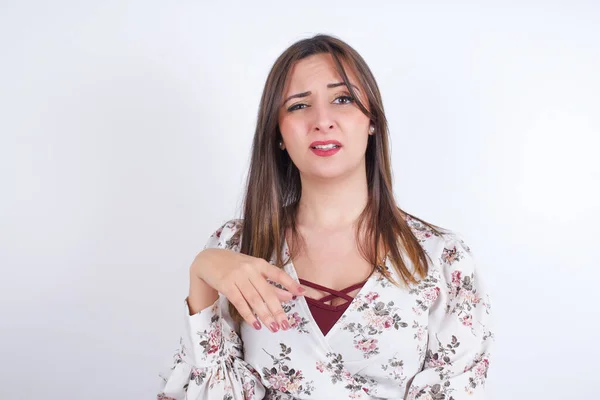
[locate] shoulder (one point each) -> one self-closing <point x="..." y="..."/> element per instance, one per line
<point x="447" y="248"/>
<point x="226" y="236"/>
<point x="455" y="263"/>
<point x="454" y="268"/>
<point x="455" y="248"/>
<point x="432" y="238"/>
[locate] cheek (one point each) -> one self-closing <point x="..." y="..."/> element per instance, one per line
<point x="359" y="145"/>
<point x="292" y="131"/>
<point x="357" y="130"/>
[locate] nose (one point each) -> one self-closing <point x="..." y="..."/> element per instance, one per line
<point x="323" y="118"/>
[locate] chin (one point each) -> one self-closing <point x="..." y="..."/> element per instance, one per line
<point x="328" y="172"/>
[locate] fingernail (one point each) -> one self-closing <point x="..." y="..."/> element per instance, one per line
<point x="294" y="297"/>
<point x="274" y="326"/>
<point x="256" y="325"/>
<point x="302" y="290"/>
<point x="285" y="325"/>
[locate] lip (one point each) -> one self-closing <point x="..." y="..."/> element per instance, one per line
<point x="323" y="143"/>
<point x="325" y="153"/>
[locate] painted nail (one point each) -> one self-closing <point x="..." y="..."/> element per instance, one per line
<point x="294" y="297"/>
<point x="285" y="325"/>
<point x="274" y="326"/>
<point x="256" y="325"/>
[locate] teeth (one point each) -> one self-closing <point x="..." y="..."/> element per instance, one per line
<point x="326" y="146"/>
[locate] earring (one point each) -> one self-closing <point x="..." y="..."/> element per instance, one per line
<point x="281" y="145"/>
<point x="372" y="129"/>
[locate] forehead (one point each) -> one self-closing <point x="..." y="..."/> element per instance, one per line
<point x="316" y="70"/>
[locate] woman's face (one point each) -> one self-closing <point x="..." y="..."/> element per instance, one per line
<point x="318" y="110"/>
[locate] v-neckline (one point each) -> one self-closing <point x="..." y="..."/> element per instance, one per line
<point x="291" y="270"/>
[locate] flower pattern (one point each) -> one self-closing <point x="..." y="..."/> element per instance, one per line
<point x="420" y="331"/>
<point x="427" y="292"/>
<point x="478" y="372"/>
<point x="464" y="297"/>
<point x="395" y="369"/>
<point x="377" y="318"/>
<point x="285" y="379"/>
<point x="295" y="320"/>
<point x="298" y="322"/>
<point x="439" y="331"/>
<point x="354" y="383"/>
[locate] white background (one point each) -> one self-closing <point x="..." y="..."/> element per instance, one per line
<point x="125" y="137"/>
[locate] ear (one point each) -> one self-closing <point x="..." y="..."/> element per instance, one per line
<point x="371" y="129"/>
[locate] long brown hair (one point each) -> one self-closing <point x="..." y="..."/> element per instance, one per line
<point x="273" y="186"/>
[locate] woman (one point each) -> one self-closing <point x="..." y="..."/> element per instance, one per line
<point x="325" y="289"/>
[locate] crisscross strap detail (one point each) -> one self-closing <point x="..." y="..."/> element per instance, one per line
<point x="326" y="315"/>
<point x="321" y="303"/>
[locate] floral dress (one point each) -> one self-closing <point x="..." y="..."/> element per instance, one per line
<point x="427" y="341"/>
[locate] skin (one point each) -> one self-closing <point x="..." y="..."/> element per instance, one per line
<point x="334" y="193"/>
<point x="334" y="189"/>
<point x="324" y="114"/>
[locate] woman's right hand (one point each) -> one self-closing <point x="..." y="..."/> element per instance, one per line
<point x="242" y="279"/>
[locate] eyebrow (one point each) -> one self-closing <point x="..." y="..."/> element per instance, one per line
<point x="329" y="86"/>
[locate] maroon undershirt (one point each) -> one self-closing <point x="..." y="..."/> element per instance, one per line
<point x="326" y="315"/>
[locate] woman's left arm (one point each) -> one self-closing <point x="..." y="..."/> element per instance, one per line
<point x="460" y="337"/>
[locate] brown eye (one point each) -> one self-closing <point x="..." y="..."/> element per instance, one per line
<point x="297" y="107"/>
<point x="345" y="99"/>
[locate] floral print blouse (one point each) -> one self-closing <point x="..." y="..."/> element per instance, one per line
<point x="427" y="341"/>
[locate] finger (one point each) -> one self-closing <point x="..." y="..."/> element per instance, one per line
<point x="256" y="301"/>
<point x="280" y="276"/>
<point x="269" y="294"/>
<point x="241" y="305"/>
<point x="283" y="295"/>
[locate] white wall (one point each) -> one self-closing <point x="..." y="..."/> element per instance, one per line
<point x="125" y="134"/>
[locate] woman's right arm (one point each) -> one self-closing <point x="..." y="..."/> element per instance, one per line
<point x="242" y="279"/>
<point x="209" y="360"/>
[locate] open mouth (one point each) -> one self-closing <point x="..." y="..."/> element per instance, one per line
<point x="325" y="146"/>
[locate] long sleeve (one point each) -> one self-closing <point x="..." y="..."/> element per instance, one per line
<point x="208" y="363"/>
<point x="459" y="336"/>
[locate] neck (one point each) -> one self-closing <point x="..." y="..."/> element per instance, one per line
<point x="333" y="204"/>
